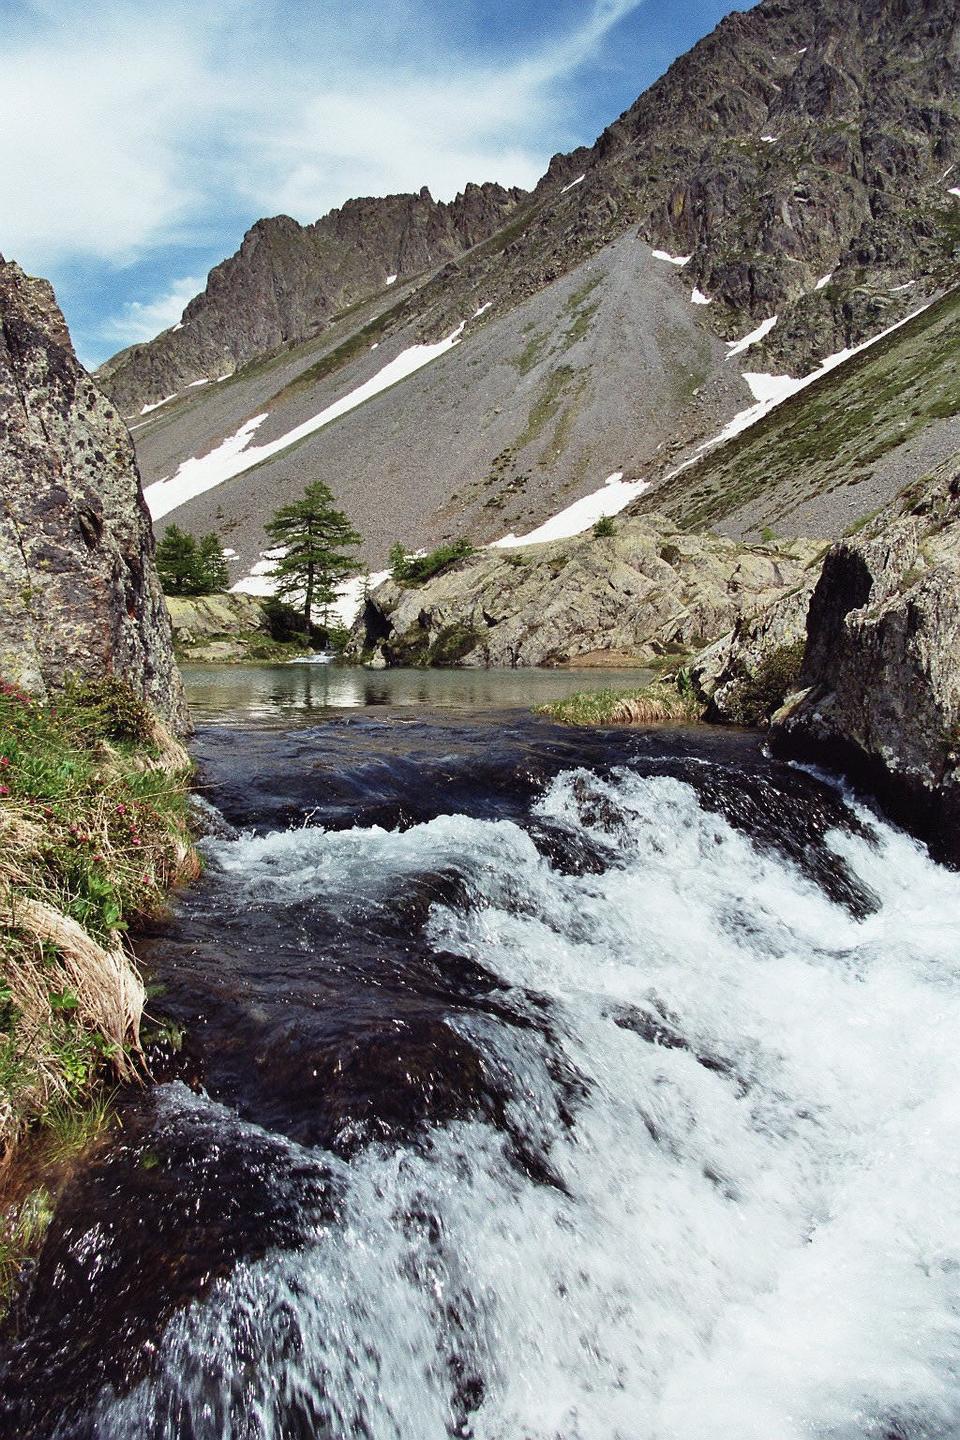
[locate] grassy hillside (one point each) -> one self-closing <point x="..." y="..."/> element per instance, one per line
<point x="826" y="458"/>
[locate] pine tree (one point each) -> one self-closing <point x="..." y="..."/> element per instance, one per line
<point x="212" y="566"/>
<point x="317" y="541"/>
<point x="177" y="562"/>
<point x="187" y="566"/>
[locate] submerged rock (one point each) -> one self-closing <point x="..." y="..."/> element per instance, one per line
<point x="79" y="593"/>
<point x="645" y="592"/>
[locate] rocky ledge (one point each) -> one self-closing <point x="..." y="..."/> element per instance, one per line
<point x="645" y="592"/>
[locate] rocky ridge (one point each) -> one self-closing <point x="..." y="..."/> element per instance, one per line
<point x="78" y="590"/>
<point x="288" y="280"/>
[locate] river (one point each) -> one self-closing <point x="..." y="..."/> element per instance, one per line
<point x="536" y="1084"/>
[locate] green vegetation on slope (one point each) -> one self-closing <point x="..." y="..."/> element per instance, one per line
<point x="833" y="433"/>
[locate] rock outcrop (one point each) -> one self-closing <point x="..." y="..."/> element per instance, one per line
<point x="219" y="627"/>
<point x="78" y="590"/>
<point x="879" y="690"/>
<point x="645" y="592"/>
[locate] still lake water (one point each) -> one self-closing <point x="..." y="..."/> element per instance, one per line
<point x="537" y="1084"/>
<point x="286" y="694"/>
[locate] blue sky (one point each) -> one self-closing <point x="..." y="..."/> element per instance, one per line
<point x="140" y="141"/>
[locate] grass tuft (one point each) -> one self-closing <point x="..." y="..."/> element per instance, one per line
<point x="663" y="701"/>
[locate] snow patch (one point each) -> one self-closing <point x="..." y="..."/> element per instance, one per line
<point x="165" y="401"/>
<point x="737" y="347"/>
<point x="771" y="390"/>
<point x="391" y="279"/>
<point x="898" y="288"/>
<point x="769" y="139"/>
<point x="954" y="190"/>
<point x="194" y="383"/>
<point x="698" y="298"/>
<point x="483" y="309"/>
<point x="178" y="326"/>
<point x="230" y="554"/>
<point x="579" y="181"/>
<point x="823" y="281"/>
<point x="672" y="259"/>
<point x="202" y="473"/>
<point x="610" y="499"/>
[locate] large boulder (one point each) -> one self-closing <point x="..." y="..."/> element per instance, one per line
<point x="79" y="594"/>
<point x="879" y="690"/>
<point x="645" y="592"/>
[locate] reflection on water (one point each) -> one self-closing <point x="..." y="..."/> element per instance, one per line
<point x="228" y="694"/>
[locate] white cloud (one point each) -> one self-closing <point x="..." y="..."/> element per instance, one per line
<point x="142" y="320"/>
<point x="129" y="128"/>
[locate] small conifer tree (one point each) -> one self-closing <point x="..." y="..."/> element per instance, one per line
<point x="188" y="566"/>
<point x="318" y="543"/>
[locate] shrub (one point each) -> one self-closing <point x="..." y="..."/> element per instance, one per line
<point x="604" y="528"/>
<point x="754" y="697"/>
<point x="416" y="569"/>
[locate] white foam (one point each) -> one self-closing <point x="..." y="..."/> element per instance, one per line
<point x="233" y="457"/>
<point x="610" y="499"/>
<point x="737" y="347"/>
<point x="579" y="181"/>
<point x="747" y="1101"/>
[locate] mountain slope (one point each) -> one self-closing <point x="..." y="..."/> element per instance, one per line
<point x="796" y="167"/>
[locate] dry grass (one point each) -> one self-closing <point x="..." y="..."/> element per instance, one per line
<point x="93" y="834"/>
<point x="662" y="702"/>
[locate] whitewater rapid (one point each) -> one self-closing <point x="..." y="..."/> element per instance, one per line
<point x="710" y="1190"/>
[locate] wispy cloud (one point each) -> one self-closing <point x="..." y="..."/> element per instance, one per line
<point x="126" y="130"/>
<point x="141" y="320"/>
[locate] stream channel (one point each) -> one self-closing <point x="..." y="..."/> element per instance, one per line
<point x="536" y="1084"/>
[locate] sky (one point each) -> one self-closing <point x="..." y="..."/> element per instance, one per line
<point x="140" y="141"/>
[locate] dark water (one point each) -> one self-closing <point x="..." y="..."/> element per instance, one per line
<point x="537" y="1085"/>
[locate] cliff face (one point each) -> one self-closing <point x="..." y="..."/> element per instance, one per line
<point x="78" y="589"/>
<point x="287" y="280"/>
